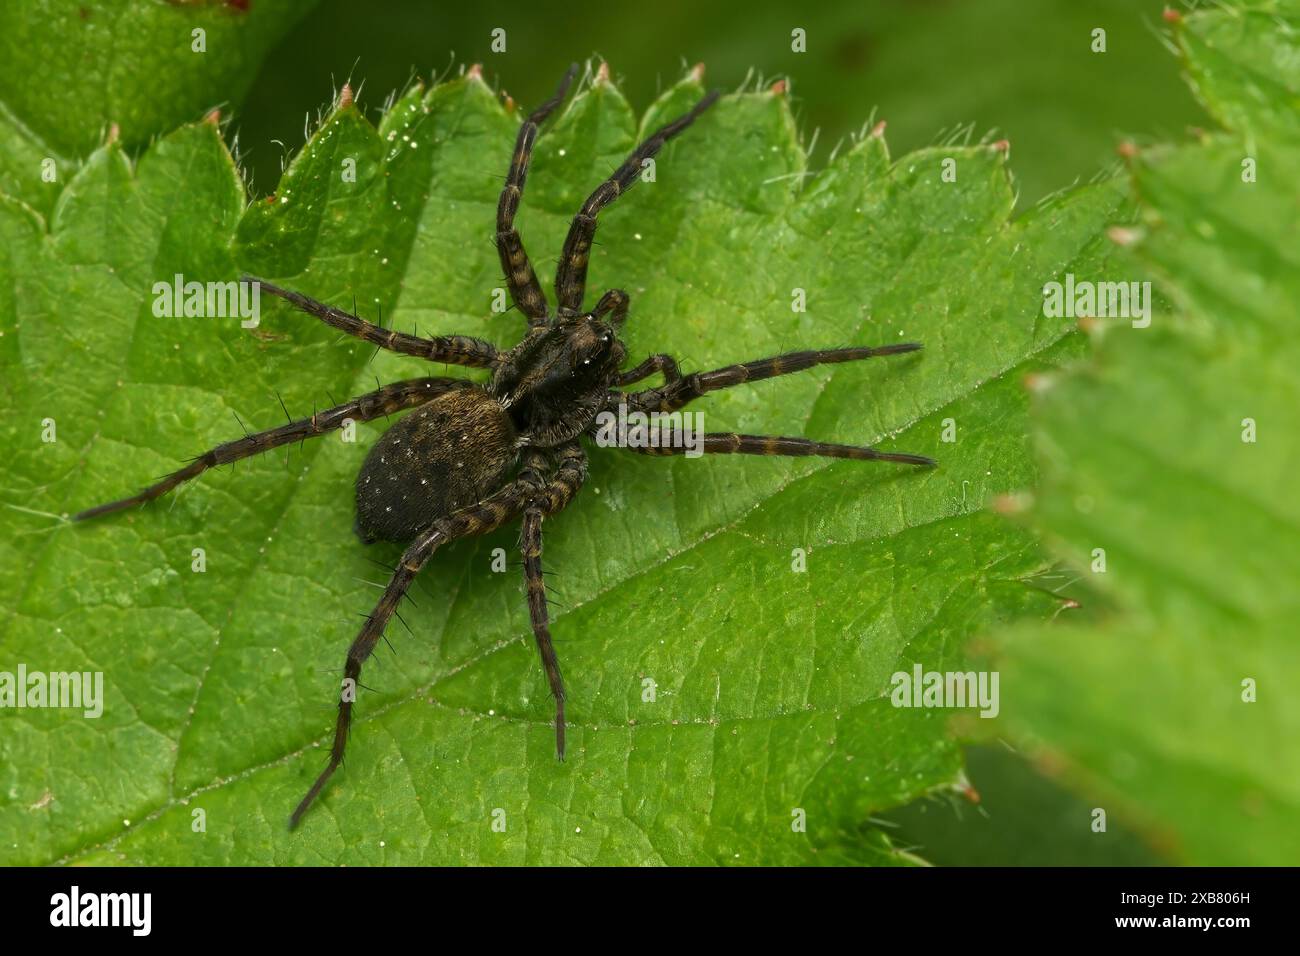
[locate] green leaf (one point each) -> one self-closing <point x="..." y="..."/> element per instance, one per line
<point x="69" y="72"/>
<point x="771" y="685"/>
<point x="1146" y="454"/>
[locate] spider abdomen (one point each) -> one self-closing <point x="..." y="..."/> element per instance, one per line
<point x="447" y="454"/>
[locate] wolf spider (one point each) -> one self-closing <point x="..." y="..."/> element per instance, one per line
<point x="516" y="435"/>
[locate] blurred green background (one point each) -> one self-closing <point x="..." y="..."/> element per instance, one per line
<point x="928" y="67"/>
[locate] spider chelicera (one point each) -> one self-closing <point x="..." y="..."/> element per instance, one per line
<point x="517" y="435"/>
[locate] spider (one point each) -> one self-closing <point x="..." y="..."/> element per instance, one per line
<point x="471" y="457"/>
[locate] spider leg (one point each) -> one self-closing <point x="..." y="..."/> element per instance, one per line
<point x="729" y="443"/>
<point x="559" y="491"/>
<point x="676" y="393"/>
<point x="571" y="275"/>
<point x="384" y="401"/>
<point x="655" y="363"/>
<point x="485" y="516"/>
<point x="613" y="303"/>
<point x="520" y="277"/>
<point x="454" y="349"/>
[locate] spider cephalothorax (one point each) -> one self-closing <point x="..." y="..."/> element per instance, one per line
<point x="558" y="378"/>
<point x="470" y="458"/>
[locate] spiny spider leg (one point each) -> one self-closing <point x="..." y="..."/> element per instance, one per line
<point x="674" y="394"/>
<point x="555" y="497"/>
<point x="520" y="277"/>
<point x="571" y="275"/>
<point x="481" y="518"/>
<point x="453" y="349"/>
<point x="385" y="401"/>
<point x="729" y="443"/>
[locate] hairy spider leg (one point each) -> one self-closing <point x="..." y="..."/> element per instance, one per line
<point x="452" y="349"/>
<point x="384" y="401"/>
<point x="655" y="363"/>
<point x="729" y="443"/>
<point x="571" y="275"/>
<point x="679" y="391"/>
<point x="555" y="497"/>
<point x="520" y="277"/>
